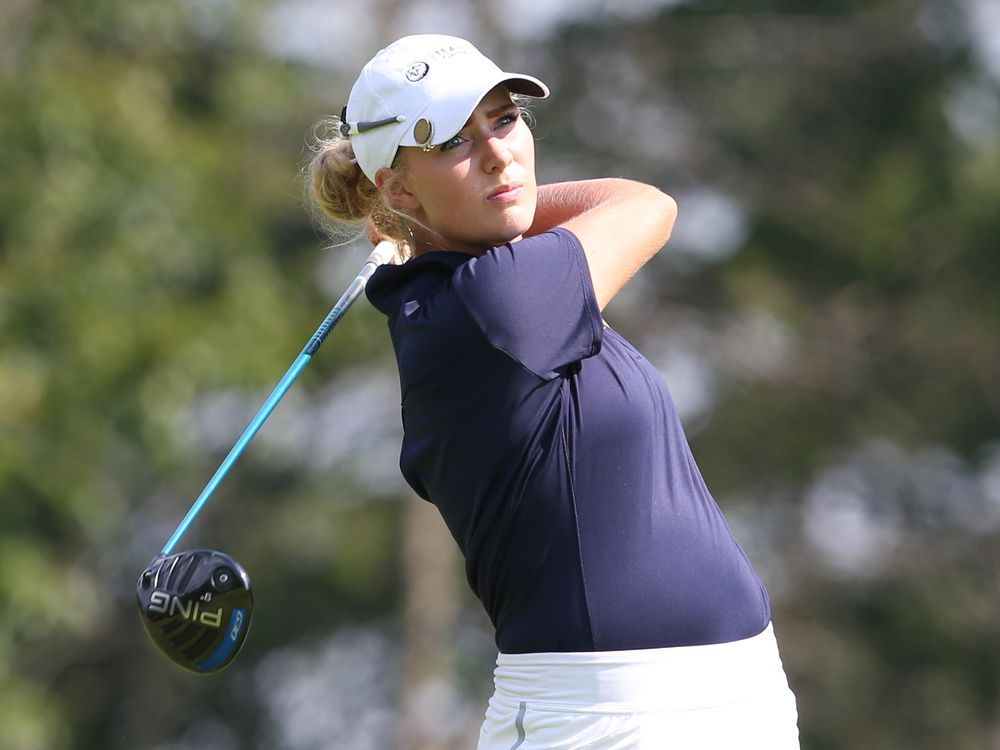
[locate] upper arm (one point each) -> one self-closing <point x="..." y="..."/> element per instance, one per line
<point x="621" y="224"/>
<point x="534" y="300"/>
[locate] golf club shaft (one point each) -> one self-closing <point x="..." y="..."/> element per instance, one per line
<point x="381" y="254"/>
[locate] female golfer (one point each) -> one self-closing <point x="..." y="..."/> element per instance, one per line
<point x="626" y="614"/>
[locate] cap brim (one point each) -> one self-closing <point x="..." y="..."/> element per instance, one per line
<point x="449" y="117"/>
<point x="527" y="85"/>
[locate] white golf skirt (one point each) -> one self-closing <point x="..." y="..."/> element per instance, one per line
<point x="721" y="696"/>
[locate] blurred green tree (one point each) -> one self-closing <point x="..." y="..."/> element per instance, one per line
<point x="826" y="314"/>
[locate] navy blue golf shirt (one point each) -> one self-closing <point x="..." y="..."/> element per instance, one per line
<point x="555" y="455"/>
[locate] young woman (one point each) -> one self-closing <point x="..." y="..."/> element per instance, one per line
<point x="626" y="614"/>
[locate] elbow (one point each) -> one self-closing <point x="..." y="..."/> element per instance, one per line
<point x="666" y="215"/>
<point x="669" y="213"/>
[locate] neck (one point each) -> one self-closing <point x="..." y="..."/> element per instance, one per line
<point x="424" y="242"/>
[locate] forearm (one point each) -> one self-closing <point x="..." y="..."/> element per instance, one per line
<point x="561" y="201"/>
<point x="620" y="225"/>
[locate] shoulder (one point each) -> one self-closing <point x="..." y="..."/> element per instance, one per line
<point x="391" y="286"/>
<point x="509" y="266"/>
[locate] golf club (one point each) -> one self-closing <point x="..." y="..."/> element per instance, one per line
<point x="197" y="605"/>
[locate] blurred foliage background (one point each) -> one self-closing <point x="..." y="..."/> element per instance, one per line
<point x="826" y="314"/>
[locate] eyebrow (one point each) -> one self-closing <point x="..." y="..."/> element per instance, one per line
<point x="500" y="110"/>
<point x="505" y="107"/>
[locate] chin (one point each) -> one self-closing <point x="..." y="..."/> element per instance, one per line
<point x="512" y="235"/>
<point x="517" y="226"/>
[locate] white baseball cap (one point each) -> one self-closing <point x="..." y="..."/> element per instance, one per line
<point x="420" y="91"/>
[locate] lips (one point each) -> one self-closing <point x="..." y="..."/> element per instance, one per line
<point x="506" y="193"/>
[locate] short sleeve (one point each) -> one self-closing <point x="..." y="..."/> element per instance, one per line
<point x="534" y="300"/>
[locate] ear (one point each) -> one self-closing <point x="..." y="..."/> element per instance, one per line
<point x="395" y="190"/>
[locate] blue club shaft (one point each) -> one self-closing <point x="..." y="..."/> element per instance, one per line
<point x="380" y="255"/>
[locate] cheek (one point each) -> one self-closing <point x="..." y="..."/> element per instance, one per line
<point x="454" y="196"/>
<point x="526" y="147"/>
<point x="434" y="189"/>
<point x="450" y="204"/>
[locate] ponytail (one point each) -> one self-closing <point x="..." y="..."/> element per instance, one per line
<point x="344" y="202"/>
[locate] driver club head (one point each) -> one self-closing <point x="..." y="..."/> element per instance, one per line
<point x="196" y="606"/>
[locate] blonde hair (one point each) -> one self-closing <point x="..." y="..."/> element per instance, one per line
<point x="343" y="201"/>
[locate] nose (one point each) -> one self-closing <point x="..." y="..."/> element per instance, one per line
<point x="496" y="155"/>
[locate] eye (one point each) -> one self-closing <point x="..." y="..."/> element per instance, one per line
<point x="507" y="118"/>
<point x="458" y="140"/>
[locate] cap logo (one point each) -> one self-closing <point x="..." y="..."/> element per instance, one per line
<point x="416" y="71"/>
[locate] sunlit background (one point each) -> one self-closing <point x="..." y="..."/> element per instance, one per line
<point x="826" y="314"/>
